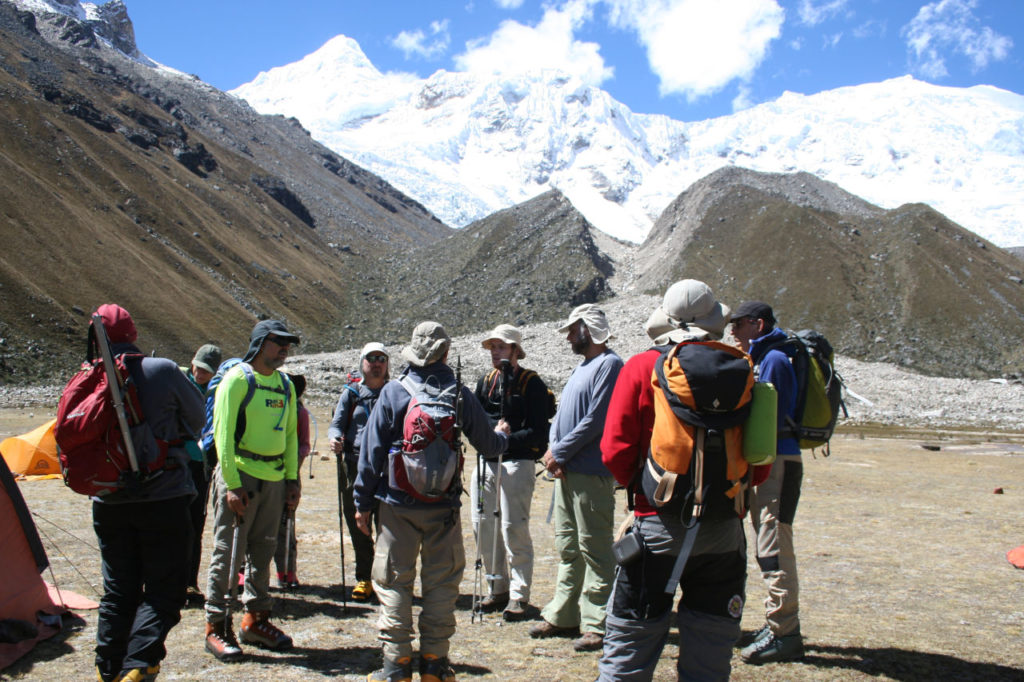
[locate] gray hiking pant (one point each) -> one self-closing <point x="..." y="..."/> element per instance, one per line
<point x="640" y="611"/>
<point x="434" y="536"/>
<point x="514" y="564"/>
<point x="772" y="510"/>
<point x="256" y="544"/>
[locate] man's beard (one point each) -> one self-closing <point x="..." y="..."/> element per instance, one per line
<point x="580" y="346"/>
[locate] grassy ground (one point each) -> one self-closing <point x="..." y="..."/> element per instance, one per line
<point x="901" y="553"/>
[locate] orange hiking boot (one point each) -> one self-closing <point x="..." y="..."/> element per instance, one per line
<point x="221" y="642"/>
<point x="257" y="629"/>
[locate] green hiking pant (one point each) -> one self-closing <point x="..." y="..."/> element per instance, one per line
<point x="584" y="519"/>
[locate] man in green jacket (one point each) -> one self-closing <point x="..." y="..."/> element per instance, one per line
<point x="255" y="433"/>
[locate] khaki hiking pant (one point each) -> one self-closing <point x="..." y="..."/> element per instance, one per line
<point x="435" y="537"/>
<point x="772" y="510"/>
<point x="584" y="519"/>
<point x="256" y="545"/>
<point x="514" y="562"/>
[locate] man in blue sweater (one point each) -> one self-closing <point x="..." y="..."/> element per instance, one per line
<point x="584" y="488"/>
<point x="774" y="500"/>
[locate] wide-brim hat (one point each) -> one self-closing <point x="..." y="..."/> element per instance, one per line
<point x="508" y="334"/>
<point x="691" y="303"/>
<point x="429" y="343"/>
<point x="594" y="318"/>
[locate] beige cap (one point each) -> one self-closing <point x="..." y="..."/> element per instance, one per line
<point x="508" y="334"/>
<point x="594" y="318"/>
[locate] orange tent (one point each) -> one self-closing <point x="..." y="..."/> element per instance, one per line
<point x="24" y="599"/>
<point x="33" y="453"/>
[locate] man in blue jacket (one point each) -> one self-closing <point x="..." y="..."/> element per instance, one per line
<point x="418" y="523"/>
<point x="774" y="501"/>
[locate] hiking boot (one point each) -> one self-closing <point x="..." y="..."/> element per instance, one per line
<point x="774" y="649"/>
<point x="545" y="629"/>
<point x="221" y="642"/>
<point x="515" y="611"/>
<point x="435" y="669"/>
<point x="363" y="591"/>
<point x="141" y="674"/>
<point x="755" y="636"/>
<point x="282" y="581"/>
<point x="257" y="629"/>
<point x="193" y="597"/>
<point x="107" y="677"/>
<point x="393" y="671"/>
<point x="588" y="641"/>
<point x="492" y="602"/>
<point x="291" y="581"/>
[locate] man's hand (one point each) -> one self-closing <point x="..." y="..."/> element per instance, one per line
<point x="363" y="521"/>
<point x="337" y="445"/>
<point x="503" y="427"/>
<point x="554" y="468"/>
<point x="292" y="495"/>
<point x="238" y="500"/>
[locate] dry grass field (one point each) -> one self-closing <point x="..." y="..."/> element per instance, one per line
<point x="901" y="553"/>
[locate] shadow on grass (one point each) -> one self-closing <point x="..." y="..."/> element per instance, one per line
<point x="357" y="660"/>
<point x="903" y="664"/>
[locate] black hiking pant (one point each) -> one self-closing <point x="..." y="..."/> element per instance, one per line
<point x="144" y="547"/>
<point x="361" y="542"/>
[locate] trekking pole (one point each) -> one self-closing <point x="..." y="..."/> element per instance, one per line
<point x="495" y="576"/>
<point x="342" y="481"/>
<point x="289" y="528"/>
<point x="116" y="389"/>
<point x="312" y="449"/>
<point x="233" y="579"/>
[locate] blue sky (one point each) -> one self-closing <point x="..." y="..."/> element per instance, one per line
<point x="688" y="59"/>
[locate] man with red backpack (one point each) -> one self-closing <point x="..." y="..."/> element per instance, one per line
<point x="145" y="532"/>
<point x="410" y="465"/>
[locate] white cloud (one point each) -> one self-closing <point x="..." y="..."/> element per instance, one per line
<point x="418" y="43"/>
<point x="949" y="27"/>
<point x="696" y="47"/>
<point x="813" y="12"/>
<point x="743" y="99"/>
<point x="831" y="40"/>
<point x="551" y="44"/>
<point x="509" y="4"/>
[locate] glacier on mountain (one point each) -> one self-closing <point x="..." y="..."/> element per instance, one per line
<point x="466" y="147"/>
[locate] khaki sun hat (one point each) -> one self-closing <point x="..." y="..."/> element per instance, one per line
<point x="594" y="318"/>
<point x="508" y="334"/>
<point x="429" y="343"/>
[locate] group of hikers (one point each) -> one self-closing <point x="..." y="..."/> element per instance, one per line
<point x="237" y="432"/>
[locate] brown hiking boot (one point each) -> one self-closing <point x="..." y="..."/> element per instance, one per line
<point x="221" y="642"/>
<point x="589" y="641"/>
<point x="399" y="670"/>
<point x="492" y="603"/>
<point x="257" y="629"/>
<point x="545" y="629"/>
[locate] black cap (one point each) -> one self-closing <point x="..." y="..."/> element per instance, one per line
<point x="756" y="309"/>
<point x="262" y="330"/>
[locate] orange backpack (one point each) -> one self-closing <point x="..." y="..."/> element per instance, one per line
<point x="702" y="396"/>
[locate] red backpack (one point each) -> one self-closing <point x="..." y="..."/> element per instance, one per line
<point x="427" y="464"/>
<point x="91" y="448"/>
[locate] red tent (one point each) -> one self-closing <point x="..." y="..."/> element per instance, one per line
<point x="24" y="600"/>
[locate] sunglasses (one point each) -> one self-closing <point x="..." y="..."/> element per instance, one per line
<point x="277" y="340"/>
<point x="376" y="358"/>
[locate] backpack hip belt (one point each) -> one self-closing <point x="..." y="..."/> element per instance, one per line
<point x="248" y="454"/>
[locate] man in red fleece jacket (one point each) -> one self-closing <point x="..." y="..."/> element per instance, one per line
<point x="639" y="615"/>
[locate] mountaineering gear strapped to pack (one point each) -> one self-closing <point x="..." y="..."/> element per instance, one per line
<point x="819" y="388"/>
<point x="428" y="463"/>
<point x="695" y="467"/>
<point x="104" y="443"/>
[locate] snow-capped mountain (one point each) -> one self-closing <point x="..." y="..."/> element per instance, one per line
<point x="466" y="147"/>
